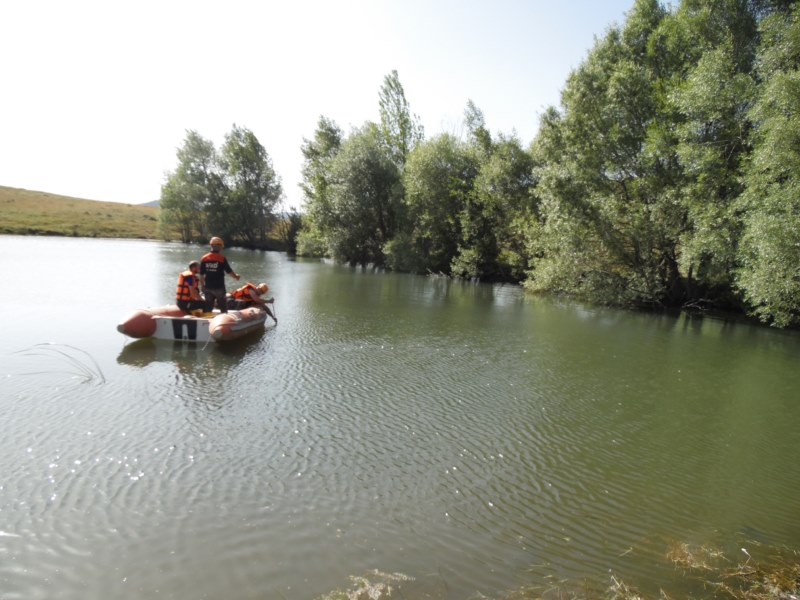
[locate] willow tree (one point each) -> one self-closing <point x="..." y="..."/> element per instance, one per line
<point x="710" y="45"/>
<point x="438" y="179"/>
<point x="254" y="189"/>
<point x="713" y="143"/>
<point x="641" y="170"/>
<point x="191" y="188"/>
<point x="500" y="206"/>
<point x="364" y="199"/>
<point x="399" y="127"/>
<point x="769" y="255"/>
<point x="495" y="243"/>
<point x="318" y="155"/>
<point x="611" y="220"/>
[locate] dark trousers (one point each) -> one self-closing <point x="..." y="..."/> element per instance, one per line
<point x="217" y="294"/>
<point x="234" y="304"/>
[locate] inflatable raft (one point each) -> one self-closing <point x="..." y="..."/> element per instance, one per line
<point x="171" y="323"/>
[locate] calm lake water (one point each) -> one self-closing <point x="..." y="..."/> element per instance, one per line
<point x="463" y="435"/>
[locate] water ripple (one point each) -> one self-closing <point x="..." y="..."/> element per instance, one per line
<point x="465" y="435"/>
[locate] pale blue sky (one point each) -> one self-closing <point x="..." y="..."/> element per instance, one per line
<point x="97" y="95"/>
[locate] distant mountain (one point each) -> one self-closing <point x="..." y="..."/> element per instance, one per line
<point x="151" y="203"/>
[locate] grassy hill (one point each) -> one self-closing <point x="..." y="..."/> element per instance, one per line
<point x="26" y="212"/>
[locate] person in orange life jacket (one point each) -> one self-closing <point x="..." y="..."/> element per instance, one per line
<point x="187" y="296"/>
<point x="251" y="295"/>
<point x="213" y="267"/>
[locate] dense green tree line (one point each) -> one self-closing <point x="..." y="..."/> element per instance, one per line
<point x="232" y="193"/>
<point x="668" y="176"/>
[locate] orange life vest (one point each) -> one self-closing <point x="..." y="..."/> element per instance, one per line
<point x="212" y="257"/>
<point x="184" y="291"/>
<point x="242" y="292"/>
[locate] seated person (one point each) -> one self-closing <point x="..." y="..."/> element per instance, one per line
<point x="187" y="295"/>
<point x="251" y="295"/>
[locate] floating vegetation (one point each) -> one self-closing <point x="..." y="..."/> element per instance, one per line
<point x="706" y="570"/>
<point x="703" y="558"/>
<point x="776" y="577"/>
<point x="619" y="590"/>
<point x="81" y="365"/>
<point x="377" y="586"/>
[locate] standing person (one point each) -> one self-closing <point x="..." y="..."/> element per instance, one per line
<point x="187" y="294"/>
<point x="251" y="295"/>
<point x="213" y="267"/>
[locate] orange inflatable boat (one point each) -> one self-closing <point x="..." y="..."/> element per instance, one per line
<point x="171" y="323"/>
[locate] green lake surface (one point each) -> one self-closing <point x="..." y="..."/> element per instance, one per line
<point x="471" y="438"/>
